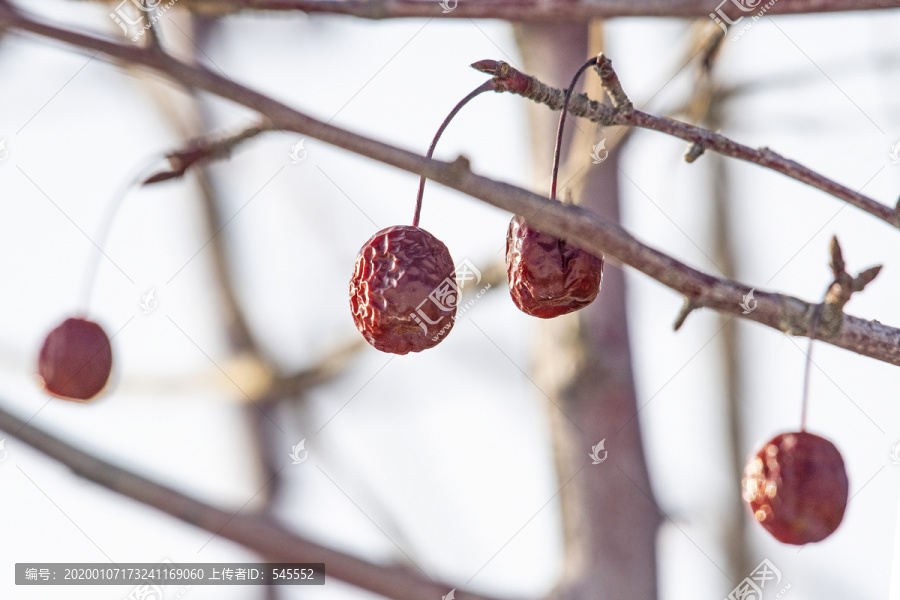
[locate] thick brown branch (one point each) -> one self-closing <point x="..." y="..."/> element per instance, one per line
<point x="586" y="230"/>
<point x="509" y="79"/>
<point x="256" y="532"/>
<point x="533" y="10"/>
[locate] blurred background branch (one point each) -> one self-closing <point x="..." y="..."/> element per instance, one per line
<point x="257" y="532"/>
<point x="525" y="10"/>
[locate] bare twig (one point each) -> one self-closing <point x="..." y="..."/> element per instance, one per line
<point x="201" y="150"/>
<point x="841" y="289"/>
<point x="258" y="533"/>
<point x="686" y="309"/>
<point x="509" y="79"/>
<point x="582" y="228"/>
<point x="612" y="85"/>
<point x="326" y="368"/>
<point x="529" y="10"/>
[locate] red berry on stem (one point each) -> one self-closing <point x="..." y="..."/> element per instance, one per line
<point x="547" y="276"/>
<point x="796" y="487"/>
<point x="403" y="292"/>
<point x="75" y="360"/>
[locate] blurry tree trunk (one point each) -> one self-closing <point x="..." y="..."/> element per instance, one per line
<point x="734" y="534"/>
<point x="706" y="107"/>
<point x="583" y="362"/>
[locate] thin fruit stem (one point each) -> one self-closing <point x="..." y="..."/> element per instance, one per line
<point x="562" y="121"/>
<point x="812" y="338"/>
<point x="112" y="209"/>
<point x="484" y="87"/>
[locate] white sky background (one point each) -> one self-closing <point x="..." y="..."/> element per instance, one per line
<point x="447" y="451"/>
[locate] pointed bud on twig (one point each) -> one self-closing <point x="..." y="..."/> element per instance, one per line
<point x="865" y="278"/>
<point x="837" y="258"/>
<point x="497" y="68"/>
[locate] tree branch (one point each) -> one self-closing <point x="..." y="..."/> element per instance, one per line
<point x="571" y="223"/>
<point x="509" y="79"/>
<point x="533" y="10"/>
<point x="255" y="532"/>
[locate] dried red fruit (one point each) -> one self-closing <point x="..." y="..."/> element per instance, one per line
<point x="403" y="292"/>
<point x="797" y="488"/>
<point x="75" y="360"/>
<point x="547" y="276"/>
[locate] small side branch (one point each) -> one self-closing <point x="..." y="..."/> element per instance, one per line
<point x="202" y="150"/>
<point x="612" y="85"/>
<point x="686" y="309"/>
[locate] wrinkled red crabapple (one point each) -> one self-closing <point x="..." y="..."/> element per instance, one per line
<point x="547" y="276"/>
<point x="403" y="292"/>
